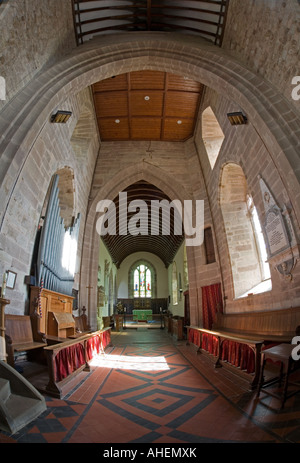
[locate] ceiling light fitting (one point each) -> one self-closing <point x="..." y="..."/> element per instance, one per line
<point x="237" y="118"/>
<point x="61" y="117"/>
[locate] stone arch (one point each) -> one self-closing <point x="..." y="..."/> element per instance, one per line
<point x="124" y="178"/>
<point x="266" y="109"/>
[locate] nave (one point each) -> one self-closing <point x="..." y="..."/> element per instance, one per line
<point x="149" y="389"/>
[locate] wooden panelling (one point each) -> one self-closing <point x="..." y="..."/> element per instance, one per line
<point x="154" y="80"/>
<point x="113" y="83"/>
<point x="181" y="104"/>
<point x="176" y="82"/>
<point x="281" y="322"/>
<point x="147" y="105"/>
<point x="112" y="130"/>
<point x="111" y="104"/>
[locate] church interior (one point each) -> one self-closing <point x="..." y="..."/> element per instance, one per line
<point x="149" y="221"/>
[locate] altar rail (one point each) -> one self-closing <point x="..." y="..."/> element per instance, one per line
<point x="69" y="358"/>
<point x="243" y="353"/>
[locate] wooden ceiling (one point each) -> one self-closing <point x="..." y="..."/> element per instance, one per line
<point x="206" y="18"/>
<point x="165" y="246"/>
<point x="147" y="105"/>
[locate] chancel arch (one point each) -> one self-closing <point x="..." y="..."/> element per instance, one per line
<point x="124" y="178"/>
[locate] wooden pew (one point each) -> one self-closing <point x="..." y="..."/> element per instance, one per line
<point x="271" y="325"/>
<point x="243" y="353"/>
<point x="238" y="339"/>
<point x="19" y="336"/>
<point x="67" y="359"/>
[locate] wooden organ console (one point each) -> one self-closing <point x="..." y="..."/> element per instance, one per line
<point x="52" y="313"/>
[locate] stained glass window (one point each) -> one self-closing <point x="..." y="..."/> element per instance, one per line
<point x="142" y="281"/>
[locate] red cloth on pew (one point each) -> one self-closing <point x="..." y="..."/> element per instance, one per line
<point x="68" y="360"/>
<point x="238" y="354"/>
<point x="210" y="343"/>
<point x="106" y="338"/>
<point x="97" y="344"/>
<point x="93" y="347"/>
<point x="194" y="337"/>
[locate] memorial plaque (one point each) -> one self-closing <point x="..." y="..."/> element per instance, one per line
<point x="275" y="232"/>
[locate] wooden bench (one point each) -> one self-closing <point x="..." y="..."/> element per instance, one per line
<point x="19" y="336"/>
<point x="271" y="325"/>
<point x="238" y="339"/>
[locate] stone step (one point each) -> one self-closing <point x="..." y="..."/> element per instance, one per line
<point x="4" y="389"/>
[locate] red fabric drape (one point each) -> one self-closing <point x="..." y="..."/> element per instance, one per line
<point x="210" y="343"/>
<point x="68" y="360"/>
<point x="239" y="355"/>
<point x="194" y="337"/>
<point x="93" y="346"/>
<point x="73" y="357"/>
<point x="211" y="304"/>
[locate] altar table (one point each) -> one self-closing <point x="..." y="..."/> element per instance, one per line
<point x="142" y="315"/>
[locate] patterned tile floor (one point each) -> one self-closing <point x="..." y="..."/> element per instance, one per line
<point x="149" y="389"/>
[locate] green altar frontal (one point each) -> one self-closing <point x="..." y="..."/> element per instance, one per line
<point x="142" y="315"/>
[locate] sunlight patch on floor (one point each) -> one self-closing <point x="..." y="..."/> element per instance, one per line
<point x="128" y="362"/>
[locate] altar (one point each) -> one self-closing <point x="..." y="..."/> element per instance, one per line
<point x="142" y="315"/>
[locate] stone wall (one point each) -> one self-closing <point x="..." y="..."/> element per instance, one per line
<point x="243" y="145"/>
<point x="265" y="35"/>
<point x="51" y="152"/>
<point x="34" y="34"/>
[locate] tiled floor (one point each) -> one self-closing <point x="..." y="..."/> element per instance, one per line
<point x="149" y="389"/>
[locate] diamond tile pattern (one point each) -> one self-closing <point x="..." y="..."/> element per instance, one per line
<point x="189" y="402"/>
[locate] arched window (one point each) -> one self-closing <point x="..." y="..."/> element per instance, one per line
<point x="142" y="281"/>
<point x="245" y="240"/>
